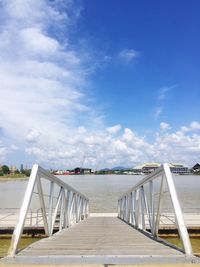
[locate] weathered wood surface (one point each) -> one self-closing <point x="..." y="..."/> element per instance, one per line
<point x="99" y="240"/>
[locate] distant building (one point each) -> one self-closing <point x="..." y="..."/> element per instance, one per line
<point x="21" y="168"/>
<point x="150" y="167"/>
<point x="146" y="168"/>
<point x="178" y="168"/>
<point x="13" y="169"/>
<point x="196" y="167"/>
<point x="82" y="171"/>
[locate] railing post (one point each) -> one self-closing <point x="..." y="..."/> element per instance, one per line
<point x="43" y="209"/>
<point x="160" y="196"/>
<point x="50" y="206"/>
<point x="130" y="208"/>
<point x="23" y="212"/>
<point x="118" y="208"/>
<point x="67" y="207"/>
<point x="177" y="209"/>
<point x="56" y="211"/>
<point x="142" y="203"/>
<point x="62" y="209"/>
<point x="133" y="209"/>
<point x="152" y="211"/>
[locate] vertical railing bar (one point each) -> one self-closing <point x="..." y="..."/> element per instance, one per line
<point x="56" y="210"/>
<point x="178" y="212"/>
<point x="158" y="213"/>
<point x="42" y="203"/>
<point x="79" y="208"/>
<point x="152" y="206"/>
<point x="130" y="208"/>
<point x="67" y="206"/>
<point x="133" y="205"/>
<point x="62" y="209"/>
<point x="50" y="206"/>
<point x="23" y="212"/>
<point x="142" y="207"/>
<point x="70" y="207"/>
<point x="138" y="208"/>
<point x="146" y="207"/>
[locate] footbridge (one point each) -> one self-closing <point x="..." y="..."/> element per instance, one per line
<point x="132" y="237"/>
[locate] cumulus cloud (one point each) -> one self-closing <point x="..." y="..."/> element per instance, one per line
<point x="44" y="107"/>
<point x="114" y="129"/>
<point x="195" y="125"/>
<point x="164" y="126"/>
<point x="43" y="78"/>
<point x="128" y="55"/>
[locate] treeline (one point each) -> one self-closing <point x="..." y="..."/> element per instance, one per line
<point x="5" y="170"/>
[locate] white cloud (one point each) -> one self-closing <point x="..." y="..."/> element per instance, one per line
<point x="164" y="126"/>
<point x="33" y="135"/>
<point x="44" y="109"/>
<point x="114" y="129"/>
<point x="158" y="112"/>
<point x="3" y="153"/>
<point x="128" y="54"/>
<point x="36" y="42"/>
<point x="162" y="94"/>
<point x="6" y="150"/>
<point x="195" y="125"/>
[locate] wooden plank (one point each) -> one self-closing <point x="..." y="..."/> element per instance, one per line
<point x="99" y="238"/>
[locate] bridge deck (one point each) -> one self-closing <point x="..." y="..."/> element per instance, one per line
<point x="99" y="240"/>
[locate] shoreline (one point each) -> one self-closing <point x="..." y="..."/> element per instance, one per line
<point x="3" y="179"/>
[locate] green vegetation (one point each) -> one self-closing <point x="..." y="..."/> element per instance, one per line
<point x="27" y="173"/>
<point x="13" y="173"/>
<point x="5" y="169"/>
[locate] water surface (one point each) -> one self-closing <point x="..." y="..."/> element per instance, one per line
<point x="104" y="190"/>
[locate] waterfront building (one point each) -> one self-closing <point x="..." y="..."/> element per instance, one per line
<point x="150" y="167"/>
<point x="146" y="168"/>
<point x="82" y="170"/>
<point x="196" y="167"/>
<point x="178" y="168"/>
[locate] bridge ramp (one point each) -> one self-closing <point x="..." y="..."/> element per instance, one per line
<point x="106" y="240"/>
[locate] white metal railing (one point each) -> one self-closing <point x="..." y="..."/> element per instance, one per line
<point x="63" y="208"/>
<point x="141" y="206"/>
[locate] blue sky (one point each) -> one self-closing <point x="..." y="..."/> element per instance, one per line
<point x="166" y="36"/>
<point x="112" y="82"/>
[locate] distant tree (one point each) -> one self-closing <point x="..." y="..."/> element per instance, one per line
<point x="17" y="172"/>
<point x="27" y="172"/>
<point x="5" y="169"/>
<point x="1" y="173"/>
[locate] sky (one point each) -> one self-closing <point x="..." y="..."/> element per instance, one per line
<point x="99" y="84"/>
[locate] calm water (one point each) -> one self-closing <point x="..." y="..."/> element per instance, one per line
<point x="103" y="192"/>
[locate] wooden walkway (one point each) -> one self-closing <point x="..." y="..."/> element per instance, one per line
<point x="106" y="240"/>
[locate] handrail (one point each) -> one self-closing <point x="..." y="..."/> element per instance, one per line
<point x="71" y="206"/>
<point x="138" y="204"/>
